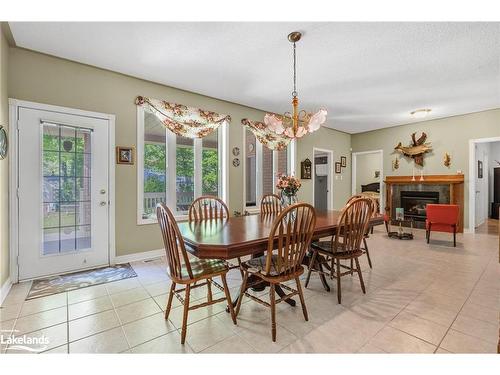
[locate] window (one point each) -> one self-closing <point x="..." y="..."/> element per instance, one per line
<point x="262" y="166"/>
<point x="175" y="169"/>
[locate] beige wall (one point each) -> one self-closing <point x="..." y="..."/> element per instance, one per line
<point x="450" y="135"/>
<point x="45" y="79"/>
<point x="4" y="165"/>
<point x="339" y="143"/>
<point x="366" y="165"/>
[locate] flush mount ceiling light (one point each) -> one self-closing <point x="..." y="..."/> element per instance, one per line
<point x="420" y="113"/>
<point x="298" y="123"/>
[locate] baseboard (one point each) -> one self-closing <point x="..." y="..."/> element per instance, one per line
<point x="5" y="290"/>
<point x="135" y="257"/>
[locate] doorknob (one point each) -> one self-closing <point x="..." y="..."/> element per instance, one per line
<point x="102" y="191"/>
<point x="103" y="203"/>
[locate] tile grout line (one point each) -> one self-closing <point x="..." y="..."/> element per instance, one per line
<point x="458" y="313"/>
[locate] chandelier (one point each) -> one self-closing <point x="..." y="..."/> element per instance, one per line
<point x="298" y="123"/>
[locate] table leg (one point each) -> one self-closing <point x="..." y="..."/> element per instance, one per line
<point x="323" y="278"/>
<point x="281" y="293"/>
<point x="307" y="260"/>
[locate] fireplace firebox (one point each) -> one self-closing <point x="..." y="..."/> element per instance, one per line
<point x="414" y="203"/>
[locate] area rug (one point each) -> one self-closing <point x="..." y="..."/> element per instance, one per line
<point x="78" y="280"/>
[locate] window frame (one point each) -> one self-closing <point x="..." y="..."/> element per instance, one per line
<point x="290" y="166"/>
<point x="170" y="168"/>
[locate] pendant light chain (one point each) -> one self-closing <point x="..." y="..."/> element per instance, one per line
<point x="294" y="93"/>
<point x="294" y="124"/>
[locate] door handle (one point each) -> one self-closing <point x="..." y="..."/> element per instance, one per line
<point x="103" y="203"/>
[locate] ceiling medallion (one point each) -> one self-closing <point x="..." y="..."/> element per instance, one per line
<point x="298" y="123"/>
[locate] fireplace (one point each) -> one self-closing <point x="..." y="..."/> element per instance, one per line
<point x="414" y="203"/>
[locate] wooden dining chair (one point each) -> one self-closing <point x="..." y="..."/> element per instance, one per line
<point x="344" y="245"/>
<point x="208" y="207"/>
<point x="270" y="204"/>
<point x="188" y="272"/>
<point x="289" y="239"/>
<point x="367" y="234"/>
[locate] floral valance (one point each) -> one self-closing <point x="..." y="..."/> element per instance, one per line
<point x="265" y="136"/>
<point x="185" y="121"/>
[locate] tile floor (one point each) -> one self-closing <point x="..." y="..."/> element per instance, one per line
<point x="420" y="299"/>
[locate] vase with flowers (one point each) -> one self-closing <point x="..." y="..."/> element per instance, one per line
<point x="288" y="187"/>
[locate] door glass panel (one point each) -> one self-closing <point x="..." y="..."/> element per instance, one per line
<point x="184" y="162"/>
<point x="66" y="189"/>
<point x="67" y="240"/>
<point x="67" y="164"/>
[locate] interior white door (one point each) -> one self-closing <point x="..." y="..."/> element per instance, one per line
<point x="62" y="193"/>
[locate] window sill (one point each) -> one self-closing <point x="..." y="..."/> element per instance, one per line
<point x="178" y="218"/>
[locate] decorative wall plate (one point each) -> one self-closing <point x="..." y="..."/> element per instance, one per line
<point x="236" y="151"/>
<point x="3" y="143"/>
<point x="236" y="162"/>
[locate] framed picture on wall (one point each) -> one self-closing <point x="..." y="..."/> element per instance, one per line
<point x="338" y="167"/>
<point x="124" y="155"/>
<point x="305" y="169"/>
<point x="343" y="161"/>
<point x="479" y="169"/>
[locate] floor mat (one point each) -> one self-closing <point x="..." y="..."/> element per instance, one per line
<point x="77" y="280"/>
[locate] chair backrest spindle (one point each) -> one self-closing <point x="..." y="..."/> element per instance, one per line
<point x="174" y="243"/>
<point x="270" y="204"/>
<point x="208" y="207"/>
<point x="353" y="224"/>
<point x="294" y="228"/>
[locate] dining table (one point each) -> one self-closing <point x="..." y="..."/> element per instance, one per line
<point x="248" y="235"/>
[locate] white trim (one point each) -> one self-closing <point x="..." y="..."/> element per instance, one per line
<point x="472" y="179"/>
<point x="292" y="157"/>
<point x="13" y="202"/>
<point x="223" y="139"/>
<point x="354" y="156"/>
<point x="4" y="291"/>
<point x="14" y="105"/>
<point x="329" y="197"/>
<point x="135" y="257"/>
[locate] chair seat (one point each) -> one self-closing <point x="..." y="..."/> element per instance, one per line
<point x="439" y="227"/>
<point x="258" y="265"/>
<point x="326" y="247"/>
<point x="204" y="267"/>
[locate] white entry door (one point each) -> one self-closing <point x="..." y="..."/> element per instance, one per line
<point x="62" y="192"/>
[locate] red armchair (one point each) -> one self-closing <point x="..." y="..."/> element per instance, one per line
<point x="442" y="218"/>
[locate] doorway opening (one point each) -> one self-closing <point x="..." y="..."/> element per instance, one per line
<point x="368" y="174"/>
<point x="484" y="184"/>
<point x="322" y="179"/>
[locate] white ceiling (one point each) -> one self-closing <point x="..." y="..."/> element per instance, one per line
<point x="367" y="75"/>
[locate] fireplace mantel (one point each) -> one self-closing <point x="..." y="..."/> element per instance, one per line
<point x="454" y="181"/>
<point x="428" y="179"/>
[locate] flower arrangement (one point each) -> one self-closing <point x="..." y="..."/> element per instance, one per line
<point x="289" y="185"/>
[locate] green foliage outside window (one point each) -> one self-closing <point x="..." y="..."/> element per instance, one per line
<point x="154" y="161"/>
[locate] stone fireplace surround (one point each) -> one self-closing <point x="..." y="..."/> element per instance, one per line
<point x="449" y="187"/>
